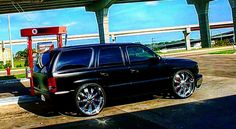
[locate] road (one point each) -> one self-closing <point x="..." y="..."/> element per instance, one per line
<point x="211" y="107"/>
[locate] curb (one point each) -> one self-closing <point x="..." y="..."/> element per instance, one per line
<point x="18" y="100"/>
<point x="13" y="81"/>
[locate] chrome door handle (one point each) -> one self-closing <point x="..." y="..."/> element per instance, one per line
<point x="104" y="74"/>
<point x="134" y="71"/>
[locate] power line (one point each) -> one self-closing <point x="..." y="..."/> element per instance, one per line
<point x="22" y="12"/>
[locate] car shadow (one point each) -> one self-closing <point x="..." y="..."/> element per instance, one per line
<point x="10" y="88"/>
<point x="218" y="113"/>
<point x="64" y="104"/>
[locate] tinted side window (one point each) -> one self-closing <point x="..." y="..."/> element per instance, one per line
<point x="74" y="59"/>
<point x="138" y="54"/>
<point x="110" y="56"/>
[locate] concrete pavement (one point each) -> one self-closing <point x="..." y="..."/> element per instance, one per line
<point x="15" y="91"/>
<point x="18" y="100"/>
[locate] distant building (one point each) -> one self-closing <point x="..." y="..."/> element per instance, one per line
<point x="6" y="55"/>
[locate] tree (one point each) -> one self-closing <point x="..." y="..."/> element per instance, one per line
<point x="22" y="55"/>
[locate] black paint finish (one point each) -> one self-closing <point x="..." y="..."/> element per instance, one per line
<point x="119" y="79"/>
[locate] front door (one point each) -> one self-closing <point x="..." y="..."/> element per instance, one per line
<point x="147" y="74"/>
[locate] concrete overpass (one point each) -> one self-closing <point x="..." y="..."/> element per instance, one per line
<point x="101" y="7"/>
<point x="114" y="35"/>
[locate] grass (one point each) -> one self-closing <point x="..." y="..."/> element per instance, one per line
<point x="224" y="52"/>
<point x="174" y="51"/>
<point x="13" y="77"/>
<point x="178" y="51"/>
<point x="20" y="76"/>
<point x="194" y="49"/>
<point x="19" y="64"/>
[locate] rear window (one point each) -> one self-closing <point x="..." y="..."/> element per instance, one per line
<point x="42" y="62"/>
<point x="45" y="59"/>
<point x="74" y="59"/>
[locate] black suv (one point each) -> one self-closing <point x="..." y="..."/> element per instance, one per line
<point x="95" y="72"/>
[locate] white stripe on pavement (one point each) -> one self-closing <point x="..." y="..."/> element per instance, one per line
<point x="14" y="81"/>
<point x="17" y="100"/>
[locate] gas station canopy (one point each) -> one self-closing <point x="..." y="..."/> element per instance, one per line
<point x="14" y="6"/>
<point x="43" y="31"/>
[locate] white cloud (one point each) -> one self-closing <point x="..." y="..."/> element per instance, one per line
<point x="46" y="23"/>
<point x="152" y="3"/>
<point x="70" y="24"/>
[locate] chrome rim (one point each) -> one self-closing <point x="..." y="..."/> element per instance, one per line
<point x="90" y="100"/>
<point x="183" y="84"/>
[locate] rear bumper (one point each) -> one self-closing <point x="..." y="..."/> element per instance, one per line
<point x="47" y="96"/>
<point x="43" y="94"/>
<point x="199" y="79"/>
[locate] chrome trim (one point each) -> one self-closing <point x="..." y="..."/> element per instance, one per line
<point x="86" y="80"/>
<point x="55" y="62"/>
<point x="140" y="82"/>
<point x="122" y="84"/>
<point x="151" y="80"/>
<point x="65" y="74"/>
<point x="61" y="92"/>
<point x="43" y="98"/>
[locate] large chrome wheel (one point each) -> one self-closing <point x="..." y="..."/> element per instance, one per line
<point x="183" y="84"/>
<point x="90" y="99"/>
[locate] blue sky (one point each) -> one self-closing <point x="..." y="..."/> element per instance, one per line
<point x="122" y="17"/>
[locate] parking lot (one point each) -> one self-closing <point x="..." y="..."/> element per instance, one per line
<point x="211" y="106"/>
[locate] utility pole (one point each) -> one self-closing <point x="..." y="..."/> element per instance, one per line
<point x="9" y="31"/>
<point x="153" y="40"/>
<point x="3" y="53"/>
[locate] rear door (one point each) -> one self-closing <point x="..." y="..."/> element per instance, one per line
<point x="41" y="69"/>
<point x="74" y="68"/>
<point x="113" y="70"/>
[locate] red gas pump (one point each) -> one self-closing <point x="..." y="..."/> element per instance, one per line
<point x="30" y="32"/>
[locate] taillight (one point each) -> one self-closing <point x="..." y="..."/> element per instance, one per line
<point x="52" y="87"/>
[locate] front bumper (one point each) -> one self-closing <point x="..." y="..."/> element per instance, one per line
<point x="199" y="79"/>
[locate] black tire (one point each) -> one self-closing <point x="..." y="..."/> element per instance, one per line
<point x="183" y="84"/>
<point x="90" y="99"/>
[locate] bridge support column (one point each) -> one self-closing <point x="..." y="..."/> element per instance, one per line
<point x="101" y="8"/>
<point x="233" y="7"/>
<point x="103" y="25"/>
<point x="187" y="38"/>
<point x="202" y="8"/>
